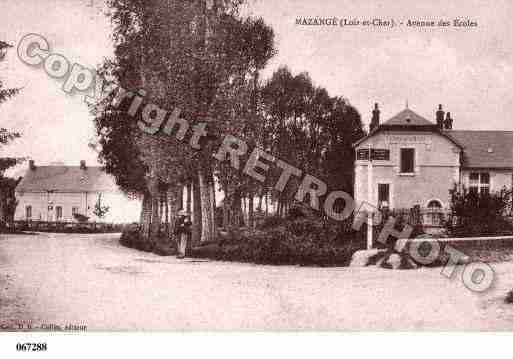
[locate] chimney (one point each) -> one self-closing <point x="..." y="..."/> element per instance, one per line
<point x="375" y="118"/>
<point x="440" y="117"/>
<point x="448" y="122"/>
<point x="32" y="165"/>
<point x="82" y="165"/>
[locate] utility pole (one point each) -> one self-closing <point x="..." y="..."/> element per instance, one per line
<point x="370" y="199"/>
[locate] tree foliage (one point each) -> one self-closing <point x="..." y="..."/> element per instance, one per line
<point x="309" y="129"/>
<point x="475" y="214"/>
<point x="7" y="200"/>
<point x="205" y="59"/>
<point x="100" y="210"/>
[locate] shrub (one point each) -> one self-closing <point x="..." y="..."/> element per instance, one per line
<point x="479" y="214"/>
<point x="272" y="221"/>
<point x="64" y="227"/>
<point x="509" y="297"/>
<point x="297" y="211"/>
<point x="132" y="238"/>
<point x="129" y="237"/>
<point x="301" y="241"/>
<point x="80" y="217"/>
<point x="163" y="245"/>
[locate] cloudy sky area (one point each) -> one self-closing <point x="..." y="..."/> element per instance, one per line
<point x="469" y="70"/>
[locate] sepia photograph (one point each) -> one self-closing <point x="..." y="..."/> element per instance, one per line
<point x="254" y="166"/>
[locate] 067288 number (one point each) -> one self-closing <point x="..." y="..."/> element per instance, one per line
<point x="31" y="347"/>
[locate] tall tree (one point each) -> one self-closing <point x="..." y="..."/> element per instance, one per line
<point x="252" y="44"/>
<point x="116" y="144"/>
<point x="186" y="55"/>
<point x="7" y="200"/>
<point x="310" y="130"/>
<point x="6" y="135"/>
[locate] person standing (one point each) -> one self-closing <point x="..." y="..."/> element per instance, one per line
<point x="183" y="232"/>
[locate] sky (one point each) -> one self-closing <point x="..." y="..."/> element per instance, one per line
<point x="468" y="70"/>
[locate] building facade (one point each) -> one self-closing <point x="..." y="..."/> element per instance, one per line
<point x="57" y="193"/>
<point x="410" y="161"/>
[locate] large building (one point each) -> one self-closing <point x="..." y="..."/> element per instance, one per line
<point x="410" y="161"/>
<point x="57" y="193"/>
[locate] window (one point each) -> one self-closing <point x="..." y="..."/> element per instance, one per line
<point x="434" y="214"/>
<point x="479" y="183"/>
<point x="74" y="210"/>
<point x="434" y="204"/>
<point x="28" y="212"/>
<point x="407" y="160"/>
<point x="383" y="195"/>
<point x="58" y="212"/>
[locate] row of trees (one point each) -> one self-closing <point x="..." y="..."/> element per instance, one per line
<point x="203" y="58"/>
<point x="7" y="185"/>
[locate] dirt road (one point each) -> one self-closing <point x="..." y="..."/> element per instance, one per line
<point x="52" y="280"/>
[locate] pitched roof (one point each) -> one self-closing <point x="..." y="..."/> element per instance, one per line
<point x="485" y="149"/>
<point x="66" y="179"/>
<point x="408" y="120"/>
<point x="408" y="117"/>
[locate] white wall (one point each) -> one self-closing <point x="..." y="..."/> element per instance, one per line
<point x="437" y="168"/>
<point x="121" y="210"/>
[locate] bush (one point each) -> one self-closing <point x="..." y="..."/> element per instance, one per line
<point x="301" y="241"/>
<point x="272" y="221"/>
<point x="509" y="297"/>
<point x="163" y="245"/>
<point x="80" y="217"/>
<point x="64" y="227"/>
<point x="132" y="238"/>
<point x="479" y="214"/>
<point x="159" y="244"/>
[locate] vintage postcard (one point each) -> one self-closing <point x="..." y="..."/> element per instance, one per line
<point x="255" y="165"/>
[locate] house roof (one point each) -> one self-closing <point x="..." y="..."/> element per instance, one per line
<point x="408" y="120"/>
<point x="481" y="149"/>
<point x="66" y="179"/>
<point x="408" y="117"/>
<point x="485" y="149"/>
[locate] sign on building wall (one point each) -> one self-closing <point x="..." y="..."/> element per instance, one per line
<point x="376" y="154"/>
<point x="362" y="154"/>
<point x="379" y="154"/>
<point x="408" y="139"/>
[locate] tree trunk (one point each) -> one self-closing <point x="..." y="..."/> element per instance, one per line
<point x="189" y="198"/>
<point x="162" y="212"/>
<point x="212" y="192"/>
<point x="146" y="216"/>
<point x="166" y="209"/>
<point x="196" y="218"/>
<point x="155" y="206"/>
<point x="244" y="212"/>
<point x="207" y="215"/>
<point x="174" y="207"/>
<point x="179" y="199"/>
<point x="236" y="209"/>
<point x="3" y="200"/>
<point x="251" y="214"/>
<point x="226" y="208"/>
